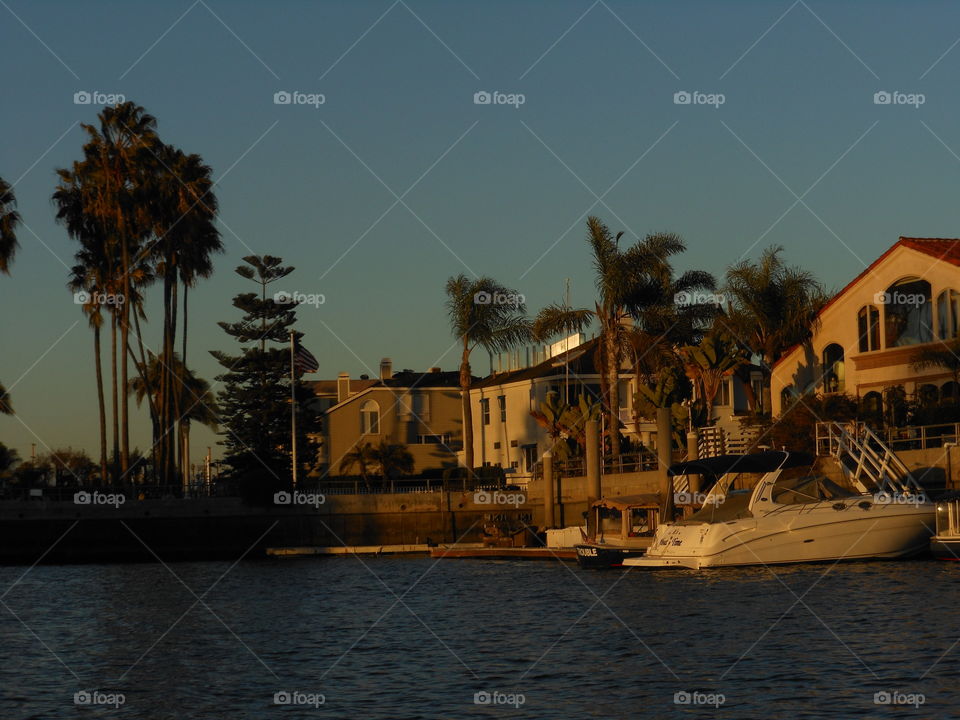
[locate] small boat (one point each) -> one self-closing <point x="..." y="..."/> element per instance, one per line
<point x="856" y="502"/>
<point x="945" y="545"/>
<point x="618" y="528"/>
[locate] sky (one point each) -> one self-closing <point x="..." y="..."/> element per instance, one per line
<point x="400" y="178"/>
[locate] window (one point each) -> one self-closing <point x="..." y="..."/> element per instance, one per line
<point x="906" y="310"/>
<point x="529" y="457"/>
<point x="873" y="405"/>
<point x="515" y="464"/>
<point x="868" y="328"/>
<point x="928" y="395"/>
<point x="443" y="439"/>
<point x="370" y="418"/>
<point x="502" y="402"/>
<point x="948" y="314"/>
<point x="496" y="445"/>
<point x="833" y="371"/>
<point x="723" y="394"/>
<point x="485" y="410"/>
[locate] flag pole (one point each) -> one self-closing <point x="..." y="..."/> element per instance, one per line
<point x="293" y="408"/>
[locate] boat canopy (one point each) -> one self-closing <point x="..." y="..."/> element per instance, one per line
<point x="762" y="462"/>
<point x="623" y="502"/>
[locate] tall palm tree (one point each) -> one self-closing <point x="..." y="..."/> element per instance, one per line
<point x="772" y="308"/>
<point x="637" y="293"/>
<point x="482" y="313"/>
<point x="9" y="219"/>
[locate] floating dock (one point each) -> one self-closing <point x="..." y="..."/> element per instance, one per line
<point x="512" y="553"/>
<point x="348" y="550"/>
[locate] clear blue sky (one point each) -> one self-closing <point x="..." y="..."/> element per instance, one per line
<point x="492" y="198"/>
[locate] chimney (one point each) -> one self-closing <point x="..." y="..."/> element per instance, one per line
<point x="435" y="370"/>
<point x="386" y="369"/>
<point x="343" y="386"/>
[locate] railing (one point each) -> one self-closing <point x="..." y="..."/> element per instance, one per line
<point x="376" y="487"/>
<point x="130" y="493"/>
<point x="922" y="437"/>
<point x="869" y="462"/>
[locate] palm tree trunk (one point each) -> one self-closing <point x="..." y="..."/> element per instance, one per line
<point x="115" y="453"/>
<point x="183" y="427"/>
<point x="101" y="405"/>
<point x="124" y="394"/>
<point x="467" y="409"/>
<point x="767" y="391"/>
<point x="613" y="401"/>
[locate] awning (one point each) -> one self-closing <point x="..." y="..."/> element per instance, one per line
<point x="762" y="462"/>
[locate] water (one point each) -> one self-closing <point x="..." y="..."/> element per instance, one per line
<point x="417" y="638"/>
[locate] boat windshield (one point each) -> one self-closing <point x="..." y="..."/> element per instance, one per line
<point x="732" y="506"/>
<point x="798" y="485"/>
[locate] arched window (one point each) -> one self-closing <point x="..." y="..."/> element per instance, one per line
<point x="833" y="374"/>
<point x="949" y="393"/>
<point x="907" y="314"/>
<point x="948" y="314"/>
<point x="873" y="403"/>
<point x="868" y="328"/>
<point x="370" y="417"/>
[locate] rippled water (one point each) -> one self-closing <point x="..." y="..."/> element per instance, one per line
<point x="417" y="638"/>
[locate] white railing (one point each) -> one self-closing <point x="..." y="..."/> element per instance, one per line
<point x="868" y="462"/>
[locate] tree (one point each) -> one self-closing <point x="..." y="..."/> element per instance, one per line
<point x="482" y="313"/>
<point x="363" y="458"/>
<point x="255" y="400"/>
<point x="636" y="286"/>
<point x="710" y="363"/>
<point x="943" y="355"/>
<point x="394" y="460"/>
<point x="9" y="458"/>
<point x="772" y="308"/>
<point x="565" y="423"/>
<point x="9" y="219"/>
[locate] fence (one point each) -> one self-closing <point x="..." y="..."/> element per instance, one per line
<point x="921" y="437"/>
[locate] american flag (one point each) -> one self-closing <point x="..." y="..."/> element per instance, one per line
<point x="303" y="359"/>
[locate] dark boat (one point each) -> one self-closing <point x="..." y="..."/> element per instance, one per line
<point x="618" y="528"/>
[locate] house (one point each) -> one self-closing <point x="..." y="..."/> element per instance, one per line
<point x="866" y="337"/>
<point x="505" y="434"/>
<point x="421" y="410"/>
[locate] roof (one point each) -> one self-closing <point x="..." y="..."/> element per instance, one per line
<point x="580" y="360"/>
<point x="329" y="387"/>
<point x="623" y="502"/>
<point x="761" y="462"/>
<point x="946" y="249"/>
<point x="402" y="379"/>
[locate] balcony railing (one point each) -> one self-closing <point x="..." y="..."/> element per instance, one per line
<point x="922" y="437"/>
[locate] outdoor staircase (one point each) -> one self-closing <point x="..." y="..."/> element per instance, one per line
<point x="867" y="462"/>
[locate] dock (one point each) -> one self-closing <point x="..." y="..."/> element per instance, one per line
<point x="288" y="552"/>
<point x="503" y="553"/>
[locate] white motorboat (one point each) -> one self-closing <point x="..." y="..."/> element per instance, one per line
<point x="857" y="502"/>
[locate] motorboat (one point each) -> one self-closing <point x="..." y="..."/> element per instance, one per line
<point x="618" y="528"/>
<point x="855" y="501"/>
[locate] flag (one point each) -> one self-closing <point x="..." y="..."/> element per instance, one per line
<point x="303" y="359"/>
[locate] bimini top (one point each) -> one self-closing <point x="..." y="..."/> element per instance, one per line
<point x="624" y="502"/>
<point x="762" y="462"/>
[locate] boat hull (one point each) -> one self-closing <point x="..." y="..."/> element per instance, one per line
<point x="594" y="556"/>
<point x="817" y="532"/>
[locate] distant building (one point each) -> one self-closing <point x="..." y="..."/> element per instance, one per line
<point x="419" y="410"/>
<point x="867" y="335"/>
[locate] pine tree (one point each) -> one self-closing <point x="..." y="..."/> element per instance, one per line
<point x="255" y="400"/>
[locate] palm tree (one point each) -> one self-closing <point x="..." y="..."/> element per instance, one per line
<point x="9" y="219"/>
<point x="364" y="458"/>
<point x="6" y="406"/>
<point x="942" y="355"/>
<point x="710" y="363"/>
<point x="482" y="313"/>
<point x="393" y="460"/>
<point x="636" y="287"/>
<point x="772" y="308"/>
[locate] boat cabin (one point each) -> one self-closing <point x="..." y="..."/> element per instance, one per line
<point x="625" y="520"/>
